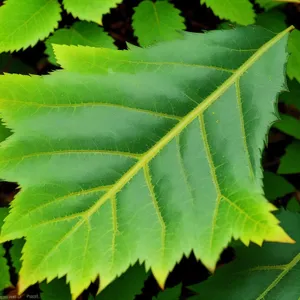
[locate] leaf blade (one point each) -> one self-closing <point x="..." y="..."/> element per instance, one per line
<point x="131" y="171"/>
<point x="21" y="32"/>
<point x="276" y="186"/>
<point x="156" y="21"/>
<point x="4" y="269"/>
<point x="237" y="11"/>
<point x="128" y="285"/>
<point x="290" y="162"/>
<point x="293" y="65"/>
<point x="90" y="10"/>
<point x="81" y="33"/>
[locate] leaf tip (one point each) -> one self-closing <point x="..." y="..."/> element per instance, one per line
<point x="161" y="277"/>
<point x="21" y="286"/>
<point x="287" y="239"/>
<point x="280" y="236"/>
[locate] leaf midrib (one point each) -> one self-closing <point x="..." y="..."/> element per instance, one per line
<point x="174" y="132"/>
<point x="151" y="153"/>
<point x="287" y="268"/>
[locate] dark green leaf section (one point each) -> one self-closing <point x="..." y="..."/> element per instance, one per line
<point x="4" y="132"/>
<point x="4" y="269"/>
<point x="55" y="290"/>
<point x="273" y="20"/>
<point x="293" y="66"/>
<point x="16" y="253"/>
<point x="276" y="186"/>
<point x="290" y="161"/>
<point x="292" y="96"/>
<point x="289" y="125"/>
<point x="170" y="294"/>
<point x="266" y="273"/>
<point x="268" y="4"/>
<point x="81" y="33"/>
<point x="127" y="286"/>
<point x="293" y="205"/>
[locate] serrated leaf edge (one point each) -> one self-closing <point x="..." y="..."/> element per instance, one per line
<point x="55" y="26"/>
<point x="150" y="154"/>
<point x="88" y="19"/>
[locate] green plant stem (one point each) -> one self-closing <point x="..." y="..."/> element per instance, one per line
<point x="288" y="1"/>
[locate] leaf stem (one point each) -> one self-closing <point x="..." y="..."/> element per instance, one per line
<point x="288" y="1"/>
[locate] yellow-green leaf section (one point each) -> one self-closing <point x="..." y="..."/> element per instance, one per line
<point x="146" y="154"/>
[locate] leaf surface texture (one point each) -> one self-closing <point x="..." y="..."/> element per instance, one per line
<point x="238" y="11"/>
<point x="90" y="10"/>
<point x="134" y="157"/>
<point x="81" y="33"/>
<point x="24" y="23"/>
<point x="156" y="21"/>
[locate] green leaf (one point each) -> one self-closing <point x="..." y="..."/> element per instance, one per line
<point x="134" y="157"/>
<point x="238" y="11"/>
<point x="270" y="272"/>
<point x="268" y="4"/>
<point x="4" y="269"/>
<point x="170" y="294"/>
<point x="276" y="186"/>
<point x="57" y="289"/>
<point x="24" y="23"/>
<point x="90" y="10"/>
<point x="292" y="96"/>
<point x="156" y="21"/>
<point x="81" y="33"/>
<point x="293" y="66"/>
<point x="127" y="286"/>
<point x="3" y="215"/>
<point x="288" y="125"/>
<point x="290" y="161"/>
<point x="16" y="253"/>
<point x="293" y="205"/>
<point x="4" y="132"/>
<point x="273" y="20"/>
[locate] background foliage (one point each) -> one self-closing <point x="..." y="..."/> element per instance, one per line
<point x="26" y="41"/>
